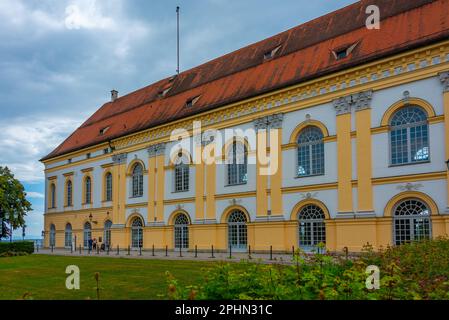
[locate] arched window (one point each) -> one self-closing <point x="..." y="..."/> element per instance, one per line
<point x="312" y="230"/>
<point x="137" y="181"/>
<point x="107" y="233"/>
<point x="310" y="152"/>
<point x="108" y="186"/>
<point x="409" y="136"/>
<point x="69" y="194"/>
<point x="87" y="234"/>
<point x="52" y="235"/>
<point x="137" y="233"/>
<point x="411" y="221"/>
<point x="237" y="163"/>
<point x="182" y="232"/>
<point x="53" y="195"/>
<point x="88" y="190"/>
<point x="237" y="231"/>
<point x="68" y="235"/>
<point x="182" y="173"/>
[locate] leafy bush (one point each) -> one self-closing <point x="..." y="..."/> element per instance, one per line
<point x="417" y="270"/>
<point x="20" y="246"/>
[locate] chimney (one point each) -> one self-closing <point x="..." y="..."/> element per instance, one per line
<point x="114" y="95"/>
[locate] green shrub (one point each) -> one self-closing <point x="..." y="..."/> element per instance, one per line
<point x="418" y="270"/>
<point x="20" y="246"/>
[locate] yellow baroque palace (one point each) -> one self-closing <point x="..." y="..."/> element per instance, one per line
<point x="362" y="142"/>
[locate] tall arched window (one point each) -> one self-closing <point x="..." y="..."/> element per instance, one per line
<point x="182" y="232"/>
<point x="137" y="233"/>
<point x="312" y="230"/>
<point x="107" y="233"/>
<point x="310" y="152"/>
<point x="182" y="173"/>
<point x="88" y="190"/>
<point x="137" y="180"/>
<point x="69" y="193"/>
<point x="52" y="241"/>
<point x="409" y="136"/>
<point x="87" y="234"/>
<point x="237" y="163"/>
<point x="237" y="231"/>
<point x="108" y="187"/>
<point x="52" y="196"/>
<point x="68" y="235"/>
<point x="411" y="221"/>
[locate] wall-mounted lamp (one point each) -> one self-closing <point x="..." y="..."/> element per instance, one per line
<point x="447" y="164"/>
<point x="90" y="218"/>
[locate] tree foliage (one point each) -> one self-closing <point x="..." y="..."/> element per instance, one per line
<point x="13" y="203"/>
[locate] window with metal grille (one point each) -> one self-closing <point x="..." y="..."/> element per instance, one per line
<point x="310" y="152"/>
<point x="237" y="164"/>
<point x="237" y="231"/>
<point x="411" y="221"/>
<point x="137" y="233"/>
<point x="182" y="173"/>
<point x="108" y="186"/>
<point x="182" y="232"/>
<point x="312" y="229"/>
<point x="52" y="235"/>
<point x="107" y="233"/>
<point x="409" y="136"/>
<point x="68" y="235"/>
<point x="69" y="193"/>
<point x="137" y="180"/>
<point x="88" y="190"/>
<point x="87" y="234"/>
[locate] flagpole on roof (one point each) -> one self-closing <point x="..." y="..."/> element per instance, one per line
<point x="177" y="38"/>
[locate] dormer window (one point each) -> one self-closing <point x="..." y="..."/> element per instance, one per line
<point x="103" y="131"/>
<point x="270" y="54"/>
<point x="344" y="52"/>
<point x="191" y="102"/>
<point x="164" y="92"/>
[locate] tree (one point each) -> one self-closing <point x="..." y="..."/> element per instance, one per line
<point x="13" y="203"/>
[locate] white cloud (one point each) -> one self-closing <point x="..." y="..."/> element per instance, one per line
<point x="87" y="14"/>
<point x="23" y="141"/>
<point x="35" y="195"/>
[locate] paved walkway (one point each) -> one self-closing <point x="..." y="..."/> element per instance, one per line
<point x="174" y="255"/>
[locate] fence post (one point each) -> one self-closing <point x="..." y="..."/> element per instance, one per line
<point x="212" y="252"/>
<point x="271" y="252"/>
<point x="152" y="251"/>
<point x="52" y="248"/>
<point x="71" y="248"/>
<point x="37" y="247"/>
<point x="293" y="251"/>
<point x="180" y="251"/>
<point x="345" y="249"/>
<point x="129" y="250"/>
<point x="80" y="249"/>
<point x="166" y="251"/>
<point x="249" y="252"/>
<point x="196" y="251"/>
<point x="98" y="249"/>
<point x="140" y="250"/>
<point x="230" y="252"/>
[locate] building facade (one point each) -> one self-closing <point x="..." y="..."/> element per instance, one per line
<point x="362" y="144"/>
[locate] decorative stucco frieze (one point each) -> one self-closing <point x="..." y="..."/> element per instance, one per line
<point x="119" y="158"/>
<point x="156" y="150"/>
<point x="362" y="100"/>
<point x="342" y="105"/>
<point x="444" y="77"/>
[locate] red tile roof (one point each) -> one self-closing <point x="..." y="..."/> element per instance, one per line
<point x="305" y="53"/>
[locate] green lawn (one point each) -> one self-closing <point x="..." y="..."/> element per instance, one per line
<point x="43" y="277"/>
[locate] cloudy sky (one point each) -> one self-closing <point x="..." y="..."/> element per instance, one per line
<point x="59" y="59"/>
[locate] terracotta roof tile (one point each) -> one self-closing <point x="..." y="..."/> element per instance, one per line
<point x="305" y="54"/>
